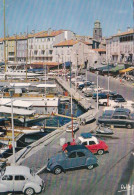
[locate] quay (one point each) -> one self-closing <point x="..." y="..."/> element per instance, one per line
<point x="83" y="102"/>
<point x="110" y="169"/>
<point x="60" y="132"/>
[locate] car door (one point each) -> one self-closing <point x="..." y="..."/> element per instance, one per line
<point x="19" y="182"/>
<point x="7" y="180"/>
<point x="81" y="159"/>
<point x="115" y="120"/>
<point x="92" y="146"/>
<point x="71" y="161"/>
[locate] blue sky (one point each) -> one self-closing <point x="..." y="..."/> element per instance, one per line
<point x="75" y="15"/>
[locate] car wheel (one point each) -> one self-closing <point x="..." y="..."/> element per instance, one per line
<point x="105" y="104"/>
<point x="29" y="191"/>
<point x="90" y="167"/>
<point x="100" y="152"/>
<point x="57" y="170"/>
<point x="129" y="126"/>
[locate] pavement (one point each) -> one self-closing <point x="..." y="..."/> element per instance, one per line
<point x="115" y="172"/>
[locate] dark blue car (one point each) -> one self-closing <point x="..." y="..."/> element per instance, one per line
<point x="100" y="96"/>
<point x="72" y="157"/>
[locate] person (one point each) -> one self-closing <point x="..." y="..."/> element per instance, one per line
<point x="10" y="144"/>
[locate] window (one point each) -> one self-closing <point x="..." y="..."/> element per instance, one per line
<point x="8" y="177"/>
<point x="122" y="117"/>
<point x="84" y="143"/>
<point x="91" y="142"/>
<point x="80" y="154"/>
<point x="19" y="177"/>
<point x="115" y="117"/>
<point x="72" y="155"/>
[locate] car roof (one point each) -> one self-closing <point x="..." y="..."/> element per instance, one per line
<point x="93" y="138"/>
<point x="17" y="170"/>
<point x="86" y="135"/>
<point x="75" y="147"/>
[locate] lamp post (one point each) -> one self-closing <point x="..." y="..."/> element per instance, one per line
<point x="108" y="86"/>
<point x="58" y="64"/>
<point x="72" y="115"/>
<point x="76" y="71"/>
<point x="97" y="95"/>
<point x="13" y="142"/>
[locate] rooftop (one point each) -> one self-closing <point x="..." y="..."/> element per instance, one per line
<point x="75" y="147"/>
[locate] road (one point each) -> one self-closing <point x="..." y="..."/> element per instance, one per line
<point x="126" y="90"/>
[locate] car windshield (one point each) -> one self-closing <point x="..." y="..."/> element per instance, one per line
<point x="78" y="142"/>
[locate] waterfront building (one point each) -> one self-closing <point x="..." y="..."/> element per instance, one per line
<point x="73" y="51"/>
<point x="120" y="47"/>
<point x="41" y="46"/>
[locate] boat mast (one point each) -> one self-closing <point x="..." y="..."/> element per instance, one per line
<point x="4" y="37"/>
<point x="27" y="54"/>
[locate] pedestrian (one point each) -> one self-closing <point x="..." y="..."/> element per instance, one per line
<point x="10" y="144"/>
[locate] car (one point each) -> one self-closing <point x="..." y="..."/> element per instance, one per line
<point x="20" y="179"/>
<point x="120" y="100"/>
<point x="100" y="96"/>
<point x="72" y="157"/>
<point x="122" y="119"/>
<point x="88" y="93"/>
<point x="81" y="86"/>
<point x="115" y="96"/>
<point x="90" y="142"/>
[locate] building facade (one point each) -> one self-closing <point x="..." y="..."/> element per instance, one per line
<point x="72" y="51"/>
<point x="41" y="46"/>
<point x="97" y="31"/>
<point x="120" y="48"/>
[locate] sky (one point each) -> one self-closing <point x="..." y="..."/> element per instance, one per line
<point x="75" y="15"/>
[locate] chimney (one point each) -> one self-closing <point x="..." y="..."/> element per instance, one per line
<point x="128" y="29"/>
<point x="49" y="31"/>
<point x="119" y="31"/>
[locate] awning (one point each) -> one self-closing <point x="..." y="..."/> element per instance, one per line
<point x="66" y="64"/>
<point x="117" y="68"/>
<point x="106" y="67"/>
<point x="17" y="111"/>
<point x="126" y="70"/>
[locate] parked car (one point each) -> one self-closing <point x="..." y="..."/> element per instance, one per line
<point x="72" y="157"/>
<point x="20" y="179"/>
<point x="91" y="143"/>
<point x="88" y="93"/>
<point x="100" y="96"/>
<point x="81" y="86"/>
<point x="120" y="100"/>
<point x="117" y="119"/>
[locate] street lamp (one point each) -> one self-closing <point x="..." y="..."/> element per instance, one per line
<point x="108" y="86"/>
<point x="76" y="71"/>
<point x="97" y="95"/>
<point x="72" y="115"/>
<point x="11" y="92"/>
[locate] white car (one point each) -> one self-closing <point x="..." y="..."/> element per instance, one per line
<point x="105" y="101"/>
<point x="92" y="87"/>
<point x="20" y="179"/>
